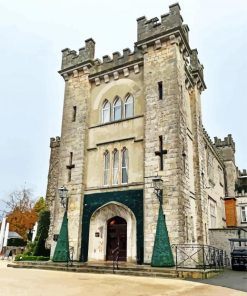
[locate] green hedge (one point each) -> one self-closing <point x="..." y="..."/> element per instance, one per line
<point x="22" y="257"/>
<point x="42" y="234"/>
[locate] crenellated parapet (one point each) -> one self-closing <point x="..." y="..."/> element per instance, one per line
<point x="155" y="33"/>
<point x="71" y="58"/>
<point x="242" y="173"/>
<point x="212" y="145"/>
<point x="149" y="28"/>
<point x="54" y="142"/>
<point x="227" y="142"/>
<point x="116" y="64"/>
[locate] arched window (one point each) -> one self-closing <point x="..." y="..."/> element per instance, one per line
<point x="129" y="106"/>
<point x="125" y="160"/>
<point x="106" y="111"/>
<point x="106" y="167"/>
<point x="115" y="167"/>
<point x="117" y="109"/>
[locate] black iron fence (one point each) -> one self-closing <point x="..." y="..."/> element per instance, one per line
<point x="194" y="256"/>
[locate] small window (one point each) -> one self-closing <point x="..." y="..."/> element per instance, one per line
<point x="74" y="114"/>
<point x="106" y="167"/>
<point x="115" y="167"/>
<point x="106" y="112"/>
<point x="212" y="214"/>
<point x="129" y="106"/>
<point x="117" y="109"/>
<point x="244" y="214"/>
<point x="160" y="88"/>
<point x="125" y="166"/>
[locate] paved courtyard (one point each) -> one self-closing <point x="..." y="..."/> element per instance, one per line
<point x="31" y="282"/>
<point x="230" y="278"/>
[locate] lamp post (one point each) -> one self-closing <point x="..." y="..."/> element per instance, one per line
<point x="162" y="254"/>
<point x="62" y="253"/>
<point x="158" y="188"/>
<point x="64" y="197"/>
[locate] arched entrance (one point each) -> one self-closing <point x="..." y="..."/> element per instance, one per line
<point x="116" y="237"/>
<point x="98" y="231"/>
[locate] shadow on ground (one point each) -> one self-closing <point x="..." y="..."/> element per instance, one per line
<point x="229" y="278"/>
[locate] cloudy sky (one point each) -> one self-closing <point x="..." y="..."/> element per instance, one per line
<point x="32" y="34"/>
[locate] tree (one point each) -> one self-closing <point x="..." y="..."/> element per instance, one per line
<point x="40" y="205"/>
<point x="21" y="199"/>
<point x="22" y="216"/>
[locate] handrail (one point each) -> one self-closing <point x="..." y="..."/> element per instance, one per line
<point x="115" y="258"/>
<point x="198" y="256"/>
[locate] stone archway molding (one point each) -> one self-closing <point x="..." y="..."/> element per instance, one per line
<point x="98" y="231"/>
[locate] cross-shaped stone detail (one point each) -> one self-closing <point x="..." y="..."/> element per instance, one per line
<point x="70" y="166"/>
<point x="161" y="152"/>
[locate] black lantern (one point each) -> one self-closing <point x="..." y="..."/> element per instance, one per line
<point x="63" y="195"/>
<point x="158" y="188"/>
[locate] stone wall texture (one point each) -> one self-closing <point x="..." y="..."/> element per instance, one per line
<point x="162" y="55"/>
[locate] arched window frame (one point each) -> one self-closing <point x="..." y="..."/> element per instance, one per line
<point x="106" y="173"/>
<point x="129" y="103"/>
<point x="115" y="167"/>
<point x="117" y="105"/>
<point x="106" y="107"/>
<point x="124" y="166"/>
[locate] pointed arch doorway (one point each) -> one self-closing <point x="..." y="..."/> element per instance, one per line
<point x="116" y="236"/>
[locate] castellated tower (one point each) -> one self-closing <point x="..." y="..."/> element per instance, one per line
<point x="126" y="119"/>
<point x="170" y="64"/>
<point x="226" y="148"/>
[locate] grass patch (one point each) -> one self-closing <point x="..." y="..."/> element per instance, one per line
<point x="22" y="257"/>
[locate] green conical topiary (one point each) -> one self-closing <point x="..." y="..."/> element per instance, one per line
<point x="61" y="253"/>
<point x="162" y="253"/>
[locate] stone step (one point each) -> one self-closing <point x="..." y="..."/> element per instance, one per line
<point x="145" y="268"/>
<point x="98" y="269"/>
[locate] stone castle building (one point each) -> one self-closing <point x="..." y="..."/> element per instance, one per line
<point x="126" y="119"/>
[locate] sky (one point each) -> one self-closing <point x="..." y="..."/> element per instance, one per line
<point x="32" y="35"/>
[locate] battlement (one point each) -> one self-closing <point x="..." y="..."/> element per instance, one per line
<point x="207" y="137"/>
<point x="153" y="32"/>
<point x="54" y="142"/>
<point x="227" y="142"/>
<point x="148" y="28"/>
<point x="116" y="60"/>
<point x="71" y="58"/>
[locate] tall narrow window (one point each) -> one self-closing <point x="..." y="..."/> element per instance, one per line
<point x="74" y="114"/>
<point x="106" y="167"/>
<point x="212" y="214"/>
<point x="192" y="229"/>
<point x="106" y="112"/>
<point x="117" y="109"/>
<point x="129" y="106"/>
<point x="244" y="214"/>
<point x="125" y="166"/>
<point x="160" y="88"/>
<point x="115" y="167"/>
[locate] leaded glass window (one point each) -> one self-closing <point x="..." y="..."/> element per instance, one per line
<point x="129" y="106"/>
<point x="106" y="112"/>
<point x="106" y="167"/>
<point x="125" y="166"/>
<point x="115" y="167"/>
<point x="117" y="109"/>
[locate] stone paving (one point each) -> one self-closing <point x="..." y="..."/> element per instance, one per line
<point x="29" y="282"/>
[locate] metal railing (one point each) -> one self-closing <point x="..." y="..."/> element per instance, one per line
<point x="115" y="259"/>
<point x="195" y="256"/>
<point x="70" y="255"/>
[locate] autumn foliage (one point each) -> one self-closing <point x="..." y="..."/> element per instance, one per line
<point x="23" y="212"/>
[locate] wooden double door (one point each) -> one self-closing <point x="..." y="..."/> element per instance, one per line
<point x="116" y="238"/>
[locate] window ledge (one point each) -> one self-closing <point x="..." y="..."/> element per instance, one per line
<point x="116" y="121"/>
<point x="119" y="186"/>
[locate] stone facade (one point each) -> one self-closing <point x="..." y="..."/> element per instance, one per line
<point x="164" y="77"/>
<point x="219" y="238"/>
